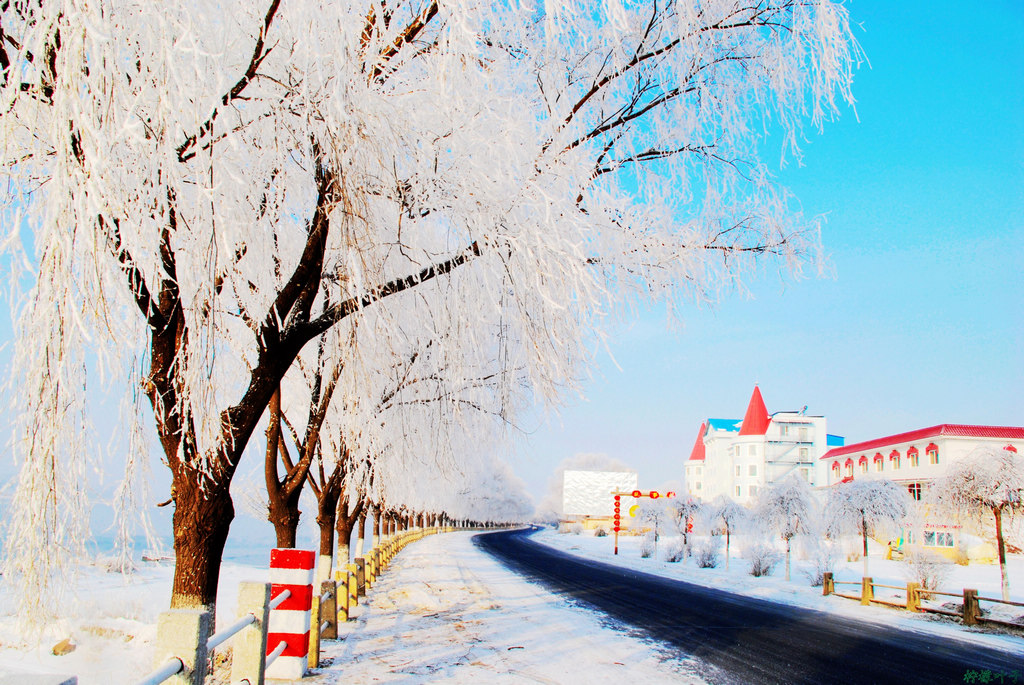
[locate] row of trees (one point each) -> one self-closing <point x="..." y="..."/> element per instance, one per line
<point x="986" y="484"/>
<point x="381" y="226"/>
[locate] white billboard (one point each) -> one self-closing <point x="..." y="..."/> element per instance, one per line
<point x="588" y="493"/>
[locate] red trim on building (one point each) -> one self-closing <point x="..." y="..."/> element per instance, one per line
<point x="895" y="454"/>
<point x="756" y="420"/>
<point x="946" y="429"/>
<point x="879" y="457"/>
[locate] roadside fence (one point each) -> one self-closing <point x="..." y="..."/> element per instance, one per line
<point x="913" y="597"/>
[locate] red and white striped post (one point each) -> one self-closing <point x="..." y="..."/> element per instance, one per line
<point x="290" y="569"/>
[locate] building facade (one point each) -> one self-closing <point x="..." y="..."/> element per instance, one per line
<point x="914" y="460"/>
<point x="738" y="457"/>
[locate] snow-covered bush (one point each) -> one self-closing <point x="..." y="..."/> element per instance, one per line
<point x="676" y="551"/>
<point x="927" y="569"/>
<point x="823" y="560"/>
<point x="600" y="533"/>
<point x="706" y="553"/>
<point x="647" y="546"/>
<point x="762" y="558"/>
<point x="576" y="529"/>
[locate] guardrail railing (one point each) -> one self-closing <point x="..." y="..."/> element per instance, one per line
<point x="184" y="634"/>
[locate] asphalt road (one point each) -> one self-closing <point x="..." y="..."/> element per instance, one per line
<point x="746" y="640"/>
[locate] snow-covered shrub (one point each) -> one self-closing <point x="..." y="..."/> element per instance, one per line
<point x="823" y="560"/>
<point x="762" y="558"/>
<point x="600" y="533"/>
<point x="676" y="551"/>
<point x="706" y="553"/>
<point x="927" y="569"/>
<point x="576" y="529"/>
<point x="647" y="546"/>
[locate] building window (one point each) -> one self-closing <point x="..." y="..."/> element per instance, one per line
<point x="739" y="491"/>
<point x="849" y="468"/>
<point x="804" y="453"/>
<point x="698" y="470"/>
<point x="698" y="488"/>
<point x="737" y="471"/>
<point x="752" y="450"/>
<point x="863" y="467"/>
<point x="912" y="457"/>
<point x="803" y="433"/>
<point x="933" y="454"/>
<point x="806" y="474"/>
<point x="753" y="490"/>
<point x="784" y="429"/>
<point x="835" y="469"/>
<point x="938" y="538"/>
<point x="879" y="465"/>
<point x="915" y="491"/>
<point x="894" y="460"/>
<point x="752" y="470"/>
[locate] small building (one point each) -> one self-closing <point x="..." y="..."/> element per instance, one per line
<point x="588" y="499"/>
<point x="738" y="457"/>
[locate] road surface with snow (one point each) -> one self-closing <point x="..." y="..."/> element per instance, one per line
<point x="747" y="640"/>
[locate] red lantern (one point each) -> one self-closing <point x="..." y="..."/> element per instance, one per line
<point x="670" y="494"/>
<point x="654" y="494"/>
<point x="617" y="528"/>
<point x="637" y="493"/>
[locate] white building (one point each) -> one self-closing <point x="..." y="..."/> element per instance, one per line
<point x="739" y="457"/>
<point x="915" y="459"/>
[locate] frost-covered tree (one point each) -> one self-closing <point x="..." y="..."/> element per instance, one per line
<point x="865" y="507"/>
<point x="208" y="188"/>
<point x="654" y="513"/>
<point x="731" y="516"/>
<point x="989" y="480"/>
<point x="683" y="509"/>
<point x="788" y="508"/>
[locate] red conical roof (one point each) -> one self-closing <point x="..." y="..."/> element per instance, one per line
<point x="698" y="447"/>
<point x="756" y="420"/>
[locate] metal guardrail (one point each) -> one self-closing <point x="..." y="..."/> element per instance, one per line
<point x="175" y="665"/>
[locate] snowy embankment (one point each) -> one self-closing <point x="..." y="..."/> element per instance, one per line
<point x="799" y="592"/>
<point x="443" y="612"/>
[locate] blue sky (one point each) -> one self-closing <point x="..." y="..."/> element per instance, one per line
<point x="920" y="320"/>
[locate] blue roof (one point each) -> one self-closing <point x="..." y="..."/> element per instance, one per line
<point x="732" y="425"/>
<point x="835" y="440"/>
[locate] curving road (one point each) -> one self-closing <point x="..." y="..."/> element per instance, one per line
<point x="748" y="640"/>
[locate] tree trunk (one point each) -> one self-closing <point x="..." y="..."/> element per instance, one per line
<point x="361" y="534"/>
<point x="864" y="536"/>
<point x="1001" y="546"/>
<point x="788" y="540"/>
<point x="727" y="548"/>
<point x="202" y="517"/>
<point x="326" y="518"/>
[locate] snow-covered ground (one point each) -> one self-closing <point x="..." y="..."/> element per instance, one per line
<point x="444" y="612"/>
<point x="798" y="591"/>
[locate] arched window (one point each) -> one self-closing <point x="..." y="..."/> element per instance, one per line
<point x="849" y="468"/>
<point x="912" y="456"/>
<point x="863" y="463"/>
<point x="879" y="462"/>
<point x="932" y="450"/>
<point x="835" y="470"/>
<point x="894" y="460"/>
